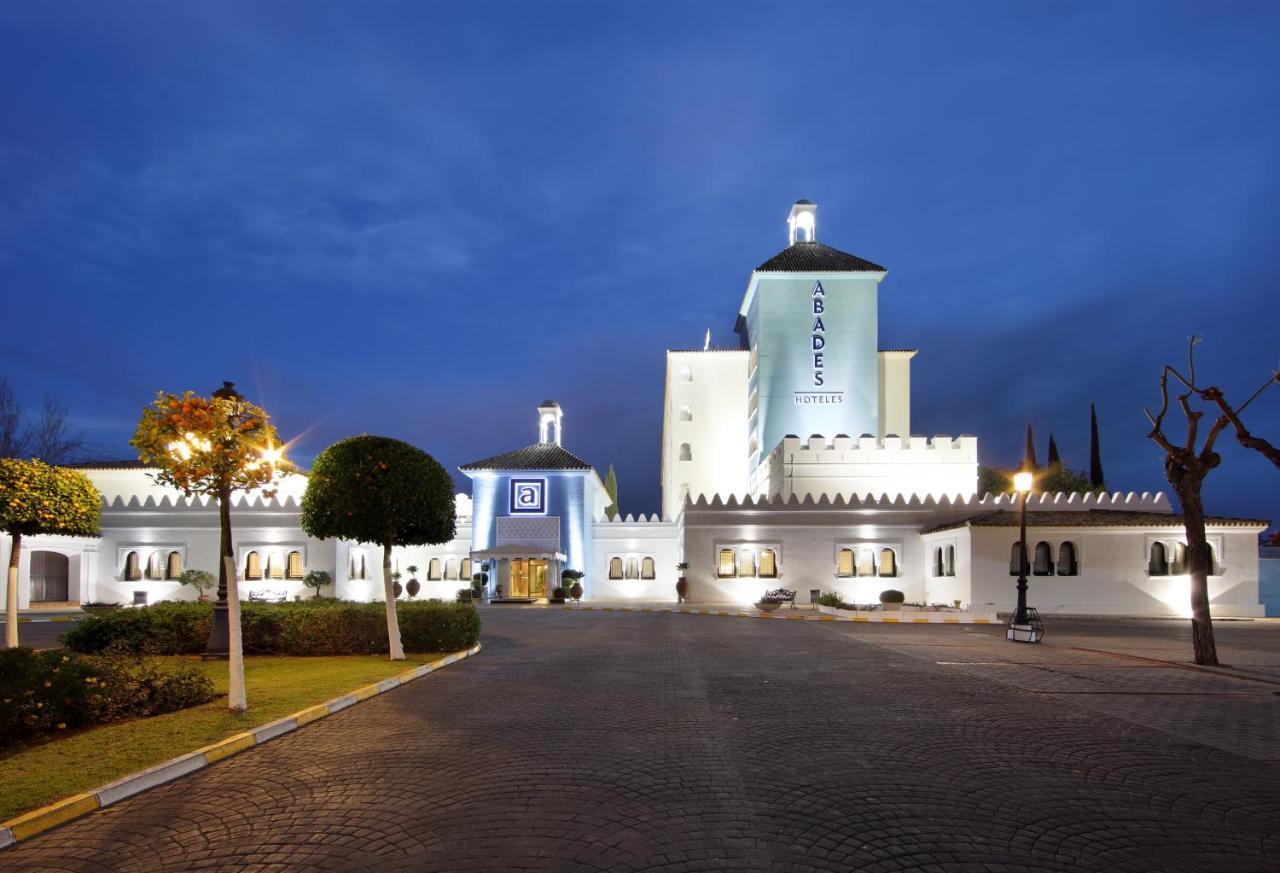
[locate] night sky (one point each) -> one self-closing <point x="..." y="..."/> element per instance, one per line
<point x="420" y="220"/>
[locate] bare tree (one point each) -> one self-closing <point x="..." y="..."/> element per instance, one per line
<point x="1186" y="466"/>
<point x="50" y="438"/>
<point x="15" y="440"/>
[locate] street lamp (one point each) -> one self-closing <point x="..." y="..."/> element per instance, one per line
<point x="1024" y="625"/>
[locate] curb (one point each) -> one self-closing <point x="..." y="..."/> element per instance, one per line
<point x="40" y="820"/>
<point x="26" y="619"/>
<point x="874" y="618"/>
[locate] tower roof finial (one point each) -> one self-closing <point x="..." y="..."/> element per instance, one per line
<point x="802" y="223"/>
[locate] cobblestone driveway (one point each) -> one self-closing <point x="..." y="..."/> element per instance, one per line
<point x="610" y="741"/>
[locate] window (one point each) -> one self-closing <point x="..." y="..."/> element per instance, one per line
<point x="615" y="568"/>
<point x="464" y="569"/>
<point x="1016" y="558"/>
<point x="686" y="375"/>
<point x="293" y="567"/>
<point x="1213" y="561"/>
<point x="252" y="566"/>
<point x="686" y="414"/>
<point x="647" y="569"/>
<point x="1179" y="559"/>
<point x="1043" y="565"/>
<point x="275" y="566"/>
<point x="450" y="569"/>
<point x="1067" y="559"/>
<point x="844" y="563"/>
<point x="358" y="569"/>
<point x="866" y="562"/>
<point x="633" y="568"/>
<point x="949" y="567"/>
<point x="433" y="570"/>
<point x="747" y="563"/>
<point x="937" y="562"/>
<point x="155" y="566"/>
<point x="173" y="566"/>
<point x="1157" y="564"/>
<point x="686" y="452"/>
<point x="132" y="568"/>
<point x="888" y="563"/>
<point x="768" y="564"/>
<point x="728" y="564"/>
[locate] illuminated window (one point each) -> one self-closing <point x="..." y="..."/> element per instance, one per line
<point x="464" y="568"/>
<point x="728" y="564"/>
<point x="275" y="566"/>
<point x="132" y="567"/>
<point x="949" y="567"/>
<point x="252" y="566"/>
<point x="633" y="568"/>
<point x="1043" y="565"/>
<point x="615" y="568"/>
<point x="686" y="452"/>
<point x="173" y="566"/>
<point x="433" y="570"/>
<point x="450" y="569"/>
<point x="1214" y="570"/>
<point x="647" y="569"/>
<point x="866" y="562"/>
<point x="1157" y="563"/>
<point x="844" y="565"/>
<point x="1179" y="563"/>
<point x="747" y="563"/>
<point x="1015" y="559"/>
<point x="888" y="563"/>
<point x="155" y="566"/>
<point x="293" y="567"/>
<point x="1067" y="559"/>
<point x="768" y="564"/>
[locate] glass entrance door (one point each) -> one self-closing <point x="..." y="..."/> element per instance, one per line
<point x="528" y="577"/>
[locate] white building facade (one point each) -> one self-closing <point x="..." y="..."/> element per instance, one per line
<point x="786" y="462"/>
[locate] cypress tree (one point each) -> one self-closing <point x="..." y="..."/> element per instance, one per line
<point x="1054" y="460"/>
<point x="1095" y="451"/>
<point x="1030" y="458"/>
<point x="611" y="488"/>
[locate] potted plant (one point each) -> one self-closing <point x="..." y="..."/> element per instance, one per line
<point x="682" y="584"/>
<point x="769" y="604"/>
<point x="315" y="580"/>
<point x="200" y="580"/>
<point x="396" y="587"/>
<point x="479" y="582"/>
<point x="891" y="600"/>
<point x="413" y="586"/>
<point x="557" y="595"/>
<point x="574" y="578"/>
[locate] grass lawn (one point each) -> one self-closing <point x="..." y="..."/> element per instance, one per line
<point x="275" y="685"/>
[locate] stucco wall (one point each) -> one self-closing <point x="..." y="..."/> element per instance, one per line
<point x="638" y="539"/>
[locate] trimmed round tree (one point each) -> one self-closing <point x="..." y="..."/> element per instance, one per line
<point x="36" y="498"/>
<point x="374" y="489"/>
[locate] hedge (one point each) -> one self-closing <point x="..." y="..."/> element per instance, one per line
<point x="50" y="692"/>
<point x="312" y="627"/>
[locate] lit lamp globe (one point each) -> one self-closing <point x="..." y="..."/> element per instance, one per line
<point x="1022" y="481"/>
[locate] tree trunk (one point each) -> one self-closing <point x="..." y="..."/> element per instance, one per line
<point x="11" y="596"/>
<point x="1206" y="650"/>
<point x="236" y="700"/>
<point x="393" y="623"/>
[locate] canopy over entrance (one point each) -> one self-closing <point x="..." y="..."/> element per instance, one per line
<point x="517" y="551"/>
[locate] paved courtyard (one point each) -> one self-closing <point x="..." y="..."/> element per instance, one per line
<point x="636" y="741"/>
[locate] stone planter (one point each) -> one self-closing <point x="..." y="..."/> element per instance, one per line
<point x="891" y="607"/>
<point x="768" y="605"/>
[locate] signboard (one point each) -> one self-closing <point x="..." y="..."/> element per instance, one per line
<point x="527" y="497"/>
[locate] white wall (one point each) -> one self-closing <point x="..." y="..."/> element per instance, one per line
<point x="895" y="393"/>
<point x="638" y="539"/>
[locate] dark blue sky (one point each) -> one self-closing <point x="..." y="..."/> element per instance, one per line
<point x="421" y="219"/>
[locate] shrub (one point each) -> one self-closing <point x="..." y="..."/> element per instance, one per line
<point x="51" y="691"/>
<point x="829" y="598"/>
<point x="892" y="595"/>
<point x="314" y="627"/>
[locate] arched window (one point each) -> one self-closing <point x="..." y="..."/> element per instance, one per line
<point x="433" y="570"/>
<point x="844" y="563"/>
<point x="173" y="566"/>
<point x="768" y="564"/>
<point x="747" y="563"/>
<point x="252" y="566"/>
<point x="450" y="569"/>
<point x="155" y="566"/>
<point x="866" y="562"/>
<point x="633" y="569"/>
<point x="293" y="566"/>
<point x="1044" y="560"/>
<point x="1015" y="559"/>
<point x="937" y="561"/>
<point x="888" y="563"/>
<point x="949" y="567"/>
<point x="686" y="414"/>
<point x="647" y="569"/>
<point x="50" y="577"/>
<point x="615" y="568"/>
<point x="1179" y="563"/>
<point x="1213" y="560"/>
<point x="1067" y="559"/>
<point x="275" y="566"/>
<point x="358" y="568"/>
<point x="464" y="569"/>
<point x="132" y="567"/>
<point x="1157" y="564"/>
<point x="686" y="375"/>
<point x="728" y="563"/>
<point x="686" y="452"/>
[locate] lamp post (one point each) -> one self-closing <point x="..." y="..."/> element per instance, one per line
<point x="1024" y="625"/>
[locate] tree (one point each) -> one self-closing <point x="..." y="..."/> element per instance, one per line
<point x="36" y="498"/>
<point x="1187" y="464"/>
<point x="1059" y="478"/>
<point x="50" y="438"/>
<point x="1030" y="457"/>
<point x="1095" y="452"/>
<point x="1054" y="459"/>
<point x="374" y="489"/>
<point x="316" y="579"/>
<point x="993" y="480"/>
<point x="611" y="488"/>
<point x="214" y="446"/>
<point x="200" y="580"/>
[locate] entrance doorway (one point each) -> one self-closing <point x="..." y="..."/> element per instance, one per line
<point x="528" y="577"/>
<point x="49" y="577"/>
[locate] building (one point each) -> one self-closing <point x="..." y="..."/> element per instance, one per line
<point x="787" y="461"/>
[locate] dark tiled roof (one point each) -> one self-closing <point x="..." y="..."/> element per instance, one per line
<point x="540" y="456"/>
<point x="1087" y="518"/>
<point x="111" y="465"/>
<point x="814" y="257"/>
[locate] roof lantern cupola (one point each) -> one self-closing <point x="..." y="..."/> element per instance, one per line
<point x="802" y="223"/>
<point x="549" y="422"/>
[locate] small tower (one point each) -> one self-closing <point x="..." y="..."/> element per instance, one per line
<point x="549" y="416"/>
<point x="802" y="223"/>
